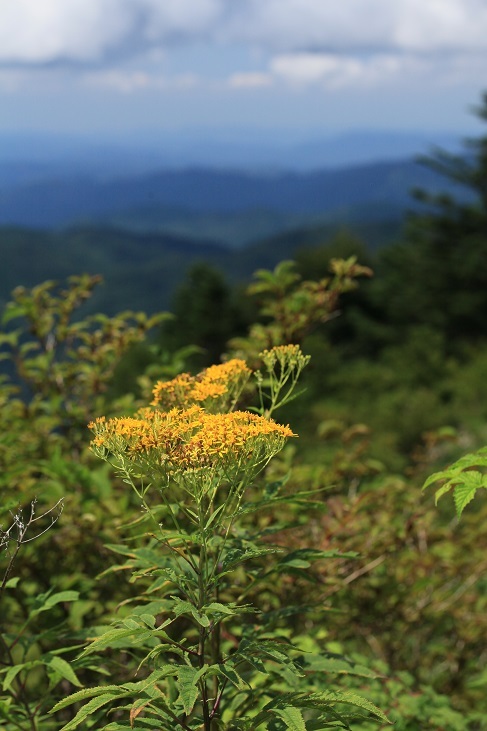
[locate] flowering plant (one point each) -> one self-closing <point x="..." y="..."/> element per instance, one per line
<point x="208" y="657"/>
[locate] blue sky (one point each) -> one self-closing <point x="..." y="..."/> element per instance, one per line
<point x="114" y="67"/>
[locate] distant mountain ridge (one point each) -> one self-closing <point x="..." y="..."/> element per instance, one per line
<point x="67" y="200"/>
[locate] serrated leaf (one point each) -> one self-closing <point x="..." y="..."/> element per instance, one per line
<point x="188" y="690"/>
<point x="292" y="717"/>
<point x="91" y="707"/>
<point x="350" y="698"/>
<point x="464" y="494"/>
<point x="114" y="636"/>
<point x="137" y="709"/>
<point x="231" y="674"/>
<point x="338" y="665"/>
<point x="82" y="695"/>
<point x="236" y="556"/>
<point x="442" y="491"/>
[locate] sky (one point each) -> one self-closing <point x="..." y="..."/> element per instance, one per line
<point x="119" y="67"/>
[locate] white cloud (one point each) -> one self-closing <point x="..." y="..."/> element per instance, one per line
<point x="89" y="31"/>
<point x="35" y="32"/>
<point x="337" y="71"/>
<point x="362" y="25"/>
<point x="129" y="82"/>
<point x="249" y="80"/>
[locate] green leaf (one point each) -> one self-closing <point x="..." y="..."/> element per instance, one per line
<point x="228" y="671"/>
<point x="292" y="717"/>
<point x="182" y="607"/>
<point x="230" y="610"/>
<point x="115" y="637"/>
<point x="442" y="491"/>
<point x="303" y="557"/>
<point x="326" y="700"/>
<point x="188" y="689"/>
<point x="48" y="601"/>
<point x="12" y="583"/>
<point x="11" y="674"/>
<point x="64" y="669"/>
<point x="214" y="515"/>
<point x="91" y="707"/>
<point x="82" y="695"/>
<point x="465" y="492"/>
<point x="336" y="664"/>
<point x="236" y="556"/>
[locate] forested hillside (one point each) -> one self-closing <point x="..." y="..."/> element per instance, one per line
<point x="146" y="268"/>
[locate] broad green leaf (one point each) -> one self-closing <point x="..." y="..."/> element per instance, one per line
<point x="48" y="601"/>
<point x="12" y="583"/>
<point x="64" y="669"/>
<point x="465" y="493"/>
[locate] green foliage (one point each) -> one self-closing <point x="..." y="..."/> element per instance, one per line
<point x="291" y="307"/>
<point x="411" y="706"/>
<point x="25" y="663"/>
<point x="462" y="479"/>
<point x="59" y="368"/>
<point x="210" y="656"/>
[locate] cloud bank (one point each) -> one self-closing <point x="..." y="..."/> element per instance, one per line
<point x="97" y="32"/>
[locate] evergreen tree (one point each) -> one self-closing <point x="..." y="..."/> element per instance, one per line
<point x="438" y="275"/>
<point x="206" y="315"/>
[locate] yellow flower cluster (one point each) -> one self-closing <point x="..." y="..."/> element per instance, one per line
<point x="184" y="440"/>
<point x="216" y="388"/>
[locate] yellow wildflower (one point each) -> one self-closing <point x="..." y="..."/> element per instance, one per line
<point x="217" y="387"/>
<point x="187" y="440"/>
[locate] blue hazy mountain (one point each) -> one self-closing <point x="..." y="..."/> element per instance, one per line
<point x="147" y="201"/>
<point x="232" y="188"/>
<point x="33" y="153"/>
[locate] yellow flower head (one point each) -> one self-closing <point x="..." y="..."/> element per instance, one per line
<point x="187" y="440"/>
<point x="216" y="388"/>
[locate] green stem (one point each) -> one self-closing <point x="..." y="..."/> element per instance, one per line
<point x="202" y="594"/>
